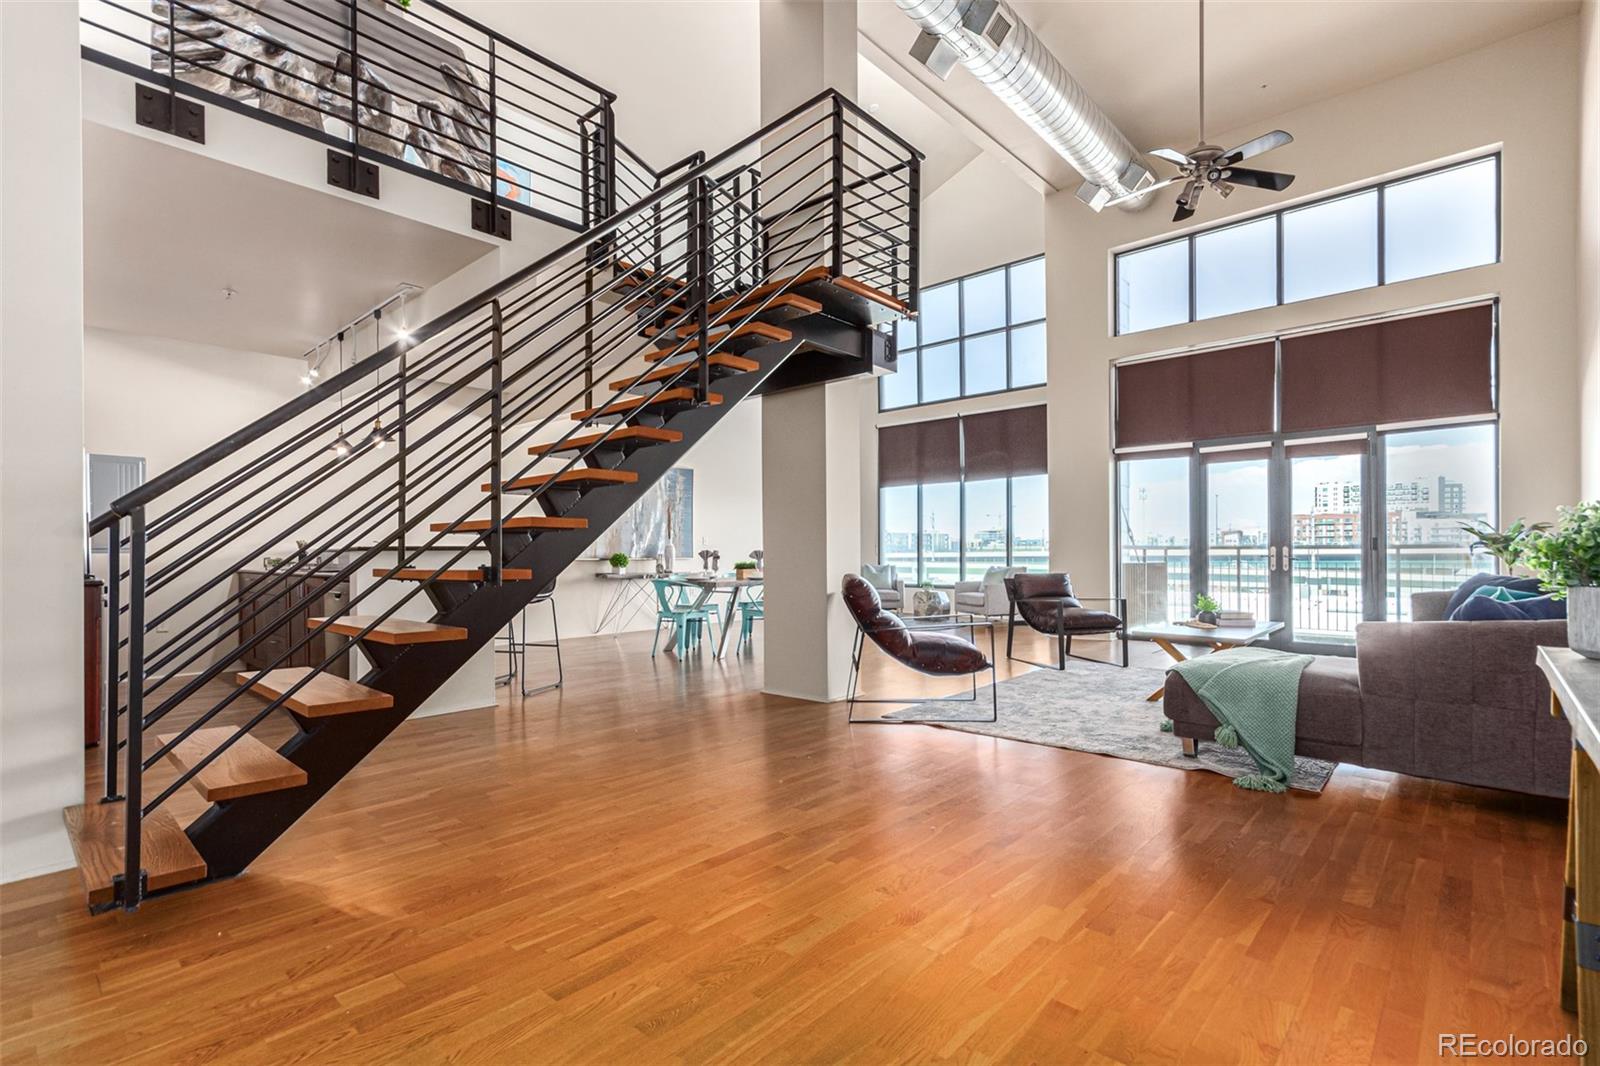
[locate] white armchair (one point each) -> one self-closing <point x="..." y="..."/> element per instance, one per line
<point x="890" y="585"/>
<point x="988" y="595"/>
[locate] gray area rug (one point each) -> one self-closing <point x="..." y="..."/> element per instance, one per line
<point x="1098" y="709"/>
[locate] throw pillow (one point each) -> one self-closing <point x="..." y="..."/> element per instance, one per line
<point x="1503" y="594"/>
<point x="1477" y="581"/>
<point x="1488" y="609"/>
<point x="879" y="577"/>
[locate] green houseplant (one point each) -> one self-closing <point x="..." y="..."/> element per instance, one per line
<point x="745" y="569"/>
<point x="1205" y="609"/>
<point x="1565" y="557"/>
<point x="619" y="562"/>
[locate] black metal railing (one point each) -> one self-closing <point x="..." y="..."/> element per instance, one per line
<point x="433" y="91"/>
<point x="394" y="453"/>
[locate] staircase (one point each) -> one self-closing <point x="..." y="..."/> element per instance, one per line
<point x="467" y="465"/>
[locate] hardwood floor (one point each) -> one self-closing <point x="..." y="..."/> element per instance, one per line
<point x="660" y="864"/>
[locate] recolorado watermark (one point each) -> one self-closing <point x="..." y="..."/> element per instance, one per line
<point x="1473" y="1046"/>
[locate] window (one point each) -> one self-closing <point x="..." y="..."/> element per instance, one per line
<point x="959" y="495"/>
<point x="976" y="335"/>
<point x="1153" y="534"/>
<point x="1434" y="480"/>
<point x="1443" y="220"/>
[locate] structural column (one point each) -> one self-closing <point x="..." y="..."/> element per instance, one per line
<point x="811" y="437"/>
<point x="41" y="434"/>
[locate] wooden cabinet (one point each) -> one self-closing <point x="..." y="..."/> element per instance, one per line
<point x="264" y="605"/>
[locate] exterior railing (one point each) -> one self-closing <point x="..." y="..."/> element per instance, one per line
<point x="418" y="86"/>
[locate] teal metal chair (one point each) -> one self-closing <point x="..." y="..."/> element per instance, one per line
<point x="675" y="604"/>
<point x="752" y="609"/>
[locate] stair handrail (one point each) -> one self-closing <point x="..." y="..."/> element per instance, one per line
<point x="124" y="505"/>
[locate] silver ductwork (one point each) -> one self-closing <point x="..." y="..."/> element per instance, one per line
<point x="988" y="38"/>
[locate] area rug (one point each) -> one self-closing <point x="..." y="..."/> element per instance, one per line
<point x="1098" y="709"/>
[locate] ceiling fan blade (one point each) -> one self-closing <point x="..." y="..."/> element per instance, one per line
<point x="1183" y="213"/>
<point x="1188" y="201"/>
<point x="1146" y="191"/>
<point x="1170" y="155"/>
<point x="1264" y="143"/>
<point x="1259" y="179"/>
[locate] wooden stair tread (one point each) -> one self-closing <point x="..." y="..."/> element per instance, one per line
<point x="788" y="301"/>
<point x="322" y="696"/>
<point x="626" y="433"/>
<point x="97" y="834"/>
<point x="591" y="476"/>
<point x="634" y="403"/>
<point x="749" y="329"/>
<point x="422" y="573"/>
<point x="761" y="292"/>
<point x="519" y="524"/>
<point x="867" y="292"/>
<point x="578" y="475"/>
<point x="736" y="363"/>
<point x="395" y="631"/>
<point x="247" y="768"/>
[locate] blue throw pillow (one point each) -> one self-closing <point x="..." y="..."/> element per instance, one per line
<point x="1488" y="609"/>
<point x="1478" y="581"/>
<point x="1503" y="594"/>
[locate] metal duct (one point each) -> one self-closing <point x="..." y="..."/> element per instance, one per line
<point x="988" y="38"/>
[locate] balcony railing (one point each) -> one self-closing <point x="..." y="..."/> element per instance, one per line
<point x="434" y="92"/>
<point x="1326" y="581"/>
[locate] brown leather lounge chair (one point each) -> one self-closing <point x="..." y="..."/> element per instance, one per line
<point x="1047" y="603"/>
<point x="928" y="648"/>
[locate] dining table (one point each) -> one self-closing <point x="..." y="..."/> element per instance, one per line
<point x="713" y="585"/>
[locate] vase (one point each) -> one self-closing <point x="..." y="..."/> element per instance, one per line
<point x="929" y="602"/>
<point x="1208" y="617"/>
<point x="1583" y="620"/>
<point x="668" y="560"/>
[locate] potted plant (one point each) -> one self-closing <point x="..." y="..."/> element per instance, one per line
<point x="619" y="562"/>
<point x="1205" y="609"/>
<point x="1565" y="557"/>
<point x="746" y="570"/>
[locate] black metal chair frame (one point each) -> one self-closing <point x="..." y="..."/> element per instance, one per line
<point x="971" y="626"/>
<point x="517" y="650"/>
<point x="1064" y="637"/>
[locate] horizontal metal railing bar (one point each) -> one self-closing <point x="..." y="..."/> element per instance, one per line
<point x="860" y="113"/>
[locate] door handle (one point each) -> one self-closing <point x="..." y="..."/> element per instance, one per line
<point x="1285" y="550"/>
<point x="1272" y="558"/>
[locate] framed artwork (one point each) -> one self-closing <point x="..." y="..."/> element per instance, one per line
<point x="665" y="510"/>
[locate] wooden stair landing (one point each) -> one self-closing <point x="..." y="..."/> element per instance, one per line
<point x="397" y="631"/>
<point x="320" y="697"/>
<point x="97" y="832"/>
<point x="247" y="768"/>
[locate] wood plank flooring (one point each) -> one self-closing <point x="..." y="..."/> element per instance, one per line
<point x="659" y="864"/>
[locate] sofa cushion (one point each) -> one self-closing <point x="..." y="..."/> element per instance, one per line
<point x="1478" y="581"/>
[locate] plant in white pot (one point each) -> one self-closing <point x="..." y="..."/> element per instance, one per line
<point x="1565" y="557"/>
<point x="619" y="562"/>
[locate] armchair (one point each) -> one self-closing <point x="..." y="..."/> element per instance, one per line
<point x="891" y="587"/>
<point x="926" y="647"/>
<point x="987" y="596"/>
<point x="1047" y="604"/>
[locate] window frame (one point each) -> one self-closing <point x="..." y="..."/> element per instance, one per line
<point x="960" y="340"/>
<point x="1277" y="215"/>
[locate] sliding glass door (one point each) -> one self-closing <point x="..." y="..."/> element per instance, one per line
<point x="1322" y="559"/>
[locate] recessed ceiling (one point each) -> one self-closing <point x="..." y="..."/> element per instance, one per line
<point x="170" y="231"/>
<point x="1136" y="58"/>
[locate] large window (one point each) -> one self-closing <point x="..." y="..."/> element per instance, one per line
<point x="960" y="495"/>
<point x="976" y="335"/>
<point x="1443" y="220"/>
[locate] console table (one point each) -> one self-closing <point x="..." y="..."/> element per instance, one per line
<point x="1575" y="696"/>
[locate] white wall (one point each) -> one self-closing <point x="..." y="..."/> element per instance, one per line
<point x="41" y="432"/>
<point x="1589" y="241"/>
<point x="983" y="216"/>
<point x="1520" y="94"/>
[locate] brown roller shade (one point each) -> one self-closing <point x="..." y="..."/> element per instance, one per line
<point x="919" y="452"/>
<point x="1403" y="370"/>
<point x="1353" y="446"/>
<point x="1224" y="393"/>
<point x="1005" y="443"/>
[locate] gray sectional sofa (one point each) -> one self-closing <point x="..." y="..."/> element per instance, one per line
<point x="1457" y="701"/>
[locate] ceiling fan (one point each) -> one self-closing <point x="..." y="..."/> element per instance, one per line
<point x="1207" y="164"/>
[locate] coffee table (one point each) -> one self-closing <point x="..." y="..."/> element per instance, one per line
<point x="1169" y="636"/>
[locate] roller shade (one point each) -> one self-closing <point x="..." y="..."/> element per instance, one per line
<point x="1005" y="443"/>
<point x="1403" y="370"/>
<point x="919" y="452"/>
<point x="1222" y="393"/>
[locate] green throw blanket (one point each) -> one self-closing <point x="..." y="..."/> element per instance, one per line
<point x="1254" y="693"/>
